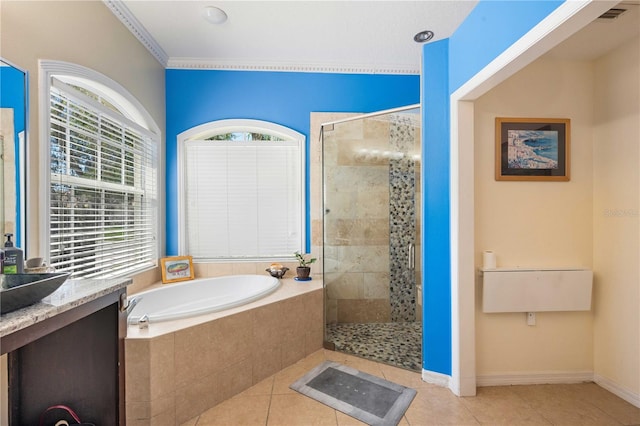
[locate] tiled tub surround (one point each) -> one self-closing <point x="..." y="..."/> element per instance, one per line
<point x="175" y="370"/>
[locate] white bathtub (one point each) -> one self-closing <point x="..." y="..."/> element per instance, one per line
<point x="183" y="357"/>
<point x="201" y="296"/>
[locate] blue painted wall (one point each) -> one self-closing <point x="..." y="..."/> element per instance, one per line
<point x="12" y="95"/>
<point x="436" y="334"/>
<point x="490" y="28"/>
<point x="195" y="97"/>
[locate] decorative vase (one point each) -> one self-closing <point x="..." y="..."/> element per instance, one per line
<point x="277" y="271"/>
<point x="303" y="271"/>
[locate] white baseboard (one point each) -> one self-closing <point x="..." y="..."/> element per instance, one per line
<point x="534" y="378"/>
<point x="437" y="379"/>
<point x="540" y="378"/>
<point x="624" y="393"/>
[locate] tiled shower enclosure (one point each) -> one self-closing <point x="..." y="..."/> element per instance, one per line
<point x="371" y="178"/>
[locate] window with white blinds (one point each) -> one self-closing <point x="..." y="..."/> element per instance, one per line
<point x="243" y="194"/>
<point x="103" y="180"/>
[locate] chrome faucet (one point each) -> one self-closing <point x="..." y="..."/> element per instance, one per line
<point x="143" y="322"/>
<point x="132" y="304"/>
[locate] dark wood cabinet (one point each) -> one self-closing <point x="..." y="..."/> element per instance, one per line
<point x="75" y="358"/>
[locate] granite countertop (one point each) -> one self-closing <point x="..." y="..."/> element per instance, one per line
<point x="71" y="294"/>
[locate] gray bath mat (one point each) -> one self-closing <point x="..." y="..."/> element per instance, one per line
<point x="368" y="398"/>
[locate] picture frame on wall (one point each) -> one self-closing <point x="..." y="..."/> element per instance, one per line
<point x="532" y="149"/>
<point x="177" y="268"/>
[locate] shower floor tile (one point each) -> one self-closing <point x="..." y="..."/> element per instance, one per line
<point x="398" y="344"/>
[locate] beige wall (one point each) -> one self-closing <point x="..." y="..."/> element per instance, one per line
<point x="535" y="224"/>
<point x="84" y="33"/>
<point x="591" y="221"/>
<point x="616" y="162"/>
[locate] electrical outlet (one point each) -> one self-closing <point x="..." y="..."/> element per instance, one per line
<point x="531" y="318"/>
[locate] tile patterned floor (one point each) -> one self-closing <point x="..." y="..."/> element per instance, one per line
<point x="272" y="403"/>
<point x="398" y="344"/>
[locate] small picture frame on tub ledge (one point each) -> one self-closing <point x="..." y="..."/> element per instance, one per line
<point x="177" y="268"/>
<point x="533" y="149"/>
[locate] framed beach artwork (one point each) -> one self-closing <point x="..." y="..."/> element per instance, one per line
<point x="532" y="149"/>
<point x="177" y="268"/>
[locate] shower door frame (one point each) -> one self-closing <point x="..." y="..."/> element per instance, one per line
<point x="323" y="201"/>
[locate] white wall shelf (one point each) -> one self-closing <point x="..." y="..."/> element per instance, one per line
<point x="536" y="289"/>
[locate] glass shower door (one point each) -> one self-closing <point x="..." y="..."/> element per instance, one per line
<point x="371" y="175"/>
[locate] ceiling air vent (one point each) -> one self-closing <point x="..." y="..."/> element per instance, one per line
<point x="612" y="13"/>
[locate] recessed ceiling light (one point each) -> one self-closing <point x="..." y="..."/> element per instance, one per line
<point x="214" y="15"/>
<point x="423" y="36"/>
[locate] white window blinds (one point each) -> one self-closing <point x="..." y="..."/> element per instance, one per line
<point x="102" y="188"/>
<point x="243" y="199"/>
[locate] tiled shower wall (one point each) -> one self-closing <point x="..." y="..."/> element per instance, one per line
<point x="402" y="219"/>
<point x="356" y="226"/>
<point x="358" y="261"/>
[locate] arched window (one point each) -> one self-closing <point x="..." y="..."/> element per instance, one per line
<point x="101" y="146"/>
<point x="241" y="191"/>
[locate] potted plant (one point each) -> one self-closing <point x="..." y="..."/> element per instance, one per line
<point x="303" y="270"/>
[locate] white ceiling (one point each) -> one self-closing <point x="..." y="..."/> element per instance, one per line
<point x="601" y="35"/>
<point x="325" y="36"/>
<point x="357" y="36"/>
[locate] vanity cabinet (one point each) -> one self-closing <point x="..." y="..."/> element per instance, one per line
<point x="74" y="358"/>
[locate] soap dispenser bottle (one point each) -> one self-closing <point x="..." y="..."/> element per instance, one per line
<point x="13" y="258"/>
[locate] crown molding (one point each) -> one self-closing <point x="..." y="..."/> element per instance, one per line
<point x="137" y="29"/>
<point x="120" y="10"/>
<point x="239" y="65"/>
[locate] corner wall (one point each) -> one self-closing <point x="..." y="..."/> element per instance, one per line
<point x="84" y="33"/>
<point x="616" y="216"/>
<point x="436" y="257"/>
<point x="195" y="97"/>
<point x="535" y="224"/>
<point x="471" y="81"/>
<point x="448" y="65"/>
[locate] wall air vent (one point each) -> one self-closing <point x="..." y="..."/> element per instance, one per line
<point x="612" y="13"/>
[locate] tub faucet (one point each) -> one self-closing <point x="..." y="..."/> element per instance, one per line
<point x="132" y="304"/>
<point x="143" y="322"/>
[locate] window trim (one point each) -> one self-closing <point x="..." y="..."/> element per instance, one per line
<point x="238" y="125"/>
<point x="116" y="94"/>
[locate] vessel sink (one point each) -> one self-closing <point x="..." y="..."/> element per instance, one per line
<point x="20" y="290"/>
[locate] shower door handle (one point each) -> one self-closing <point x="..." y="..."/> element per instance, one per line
<point x="411" y="262"/>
